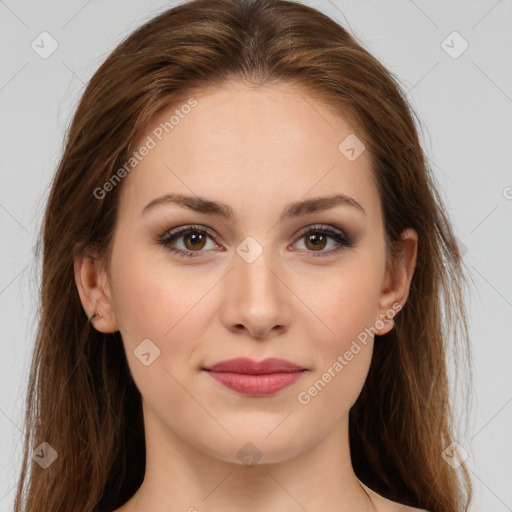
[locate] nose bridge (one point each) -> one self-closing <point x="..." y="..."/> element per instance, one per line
<point x="255" y="298"/>
<point x="258" y="283"/>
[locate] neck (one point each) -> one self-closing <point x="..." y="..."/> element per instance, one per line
<point x="181" y="477"/>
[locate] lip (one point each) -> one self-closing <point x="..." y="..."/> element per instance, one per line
<point x="256" y="378"/>
<point x="251" y="367"/>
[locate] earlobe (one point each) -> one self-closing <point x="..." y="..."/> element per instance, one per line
<point x="94" y="290"/>
<point x="398" y="278"/>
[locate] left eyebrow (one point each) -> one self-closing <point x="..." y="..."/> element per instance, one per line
<point x="320" y="204"/>
<point x="220" y="209"/>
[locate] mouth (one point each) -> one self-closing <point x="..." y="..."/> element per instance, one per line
<point x="256" y="378"/>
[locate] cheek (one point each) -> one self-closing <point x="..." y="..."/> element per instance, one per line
<point x="170" y="308"/>
<point x="168" y="311"/>
<point x="344" y="301"/>
<point x="152" y="299"/>
<point x="342" y="358"/>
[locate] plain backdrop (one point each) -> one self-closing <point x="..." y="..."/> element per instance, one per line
<point x="459" y="84"/>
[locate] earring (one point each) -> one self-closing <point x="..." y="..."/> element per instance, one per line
<point x="94" y="315"/>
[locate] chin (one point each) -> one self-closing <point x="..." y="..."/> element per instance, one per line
<point x="249" y="448"/>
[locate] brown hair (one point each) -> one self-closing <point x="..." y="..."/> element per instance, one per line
<point x="81" y="397"/>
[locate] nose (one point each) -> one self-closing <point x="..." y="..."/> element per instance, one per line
<point x="256" y="299"/>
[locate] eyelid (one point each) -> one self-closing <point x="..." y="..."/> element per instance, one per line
<point x="342" y="239"/>
<point x="213" y="234"/>
<point x="178" y="232"/>
<point x="321" y="227"/>
<point x="186" y="228"/>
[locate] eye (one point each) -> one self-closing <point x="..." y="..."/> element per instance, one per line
<point x="194" y="240"/>
<point x="316" y="238"/>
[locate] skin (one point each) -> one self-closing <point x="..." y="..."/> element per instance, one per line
<point x="257" y="150"/>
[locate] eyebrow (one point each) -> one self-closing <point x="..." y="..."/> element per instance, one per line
<point x="219" y="209"/>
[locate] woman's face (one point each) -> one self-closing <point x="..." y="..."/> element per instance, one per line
<point x="271" y="280"/>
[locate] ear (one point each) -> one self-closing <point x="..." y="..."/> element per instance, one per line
<point x="94" y="289"/>
<point x="397" y="279"/>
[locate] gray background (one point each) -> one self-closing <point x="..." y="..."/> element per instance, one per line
<point x="465" y="105"/>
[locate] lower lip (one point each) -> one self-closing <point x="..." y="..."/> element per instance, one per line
<point x="256" y="385"/>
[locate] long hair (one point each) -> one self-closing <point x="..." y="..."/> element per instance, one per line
<point x="81" y="398"/>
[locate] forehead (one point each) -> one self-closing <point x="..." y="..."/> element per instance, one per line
<point x="249" y="147"/>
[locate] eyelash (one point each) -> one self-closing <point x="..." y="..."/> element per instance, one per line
<point x="169" y="236"/>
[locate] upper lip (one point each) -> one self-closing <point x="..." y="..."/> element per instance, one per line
<point x="251" y="367"/>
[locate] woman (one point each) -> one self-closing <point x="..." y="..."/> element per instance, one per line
<point x="249" y="281"/>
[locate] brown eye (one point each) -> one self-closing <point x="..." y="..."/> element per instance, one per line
<point x="194" y="240"/>
<point x="191" y="241"/>
<point x="316" y="241"/>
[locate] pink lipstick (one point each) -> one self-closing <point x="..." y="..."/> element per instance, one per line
<point x="256" y="378"/>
